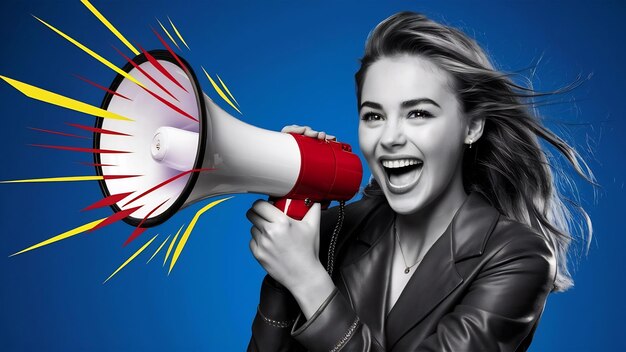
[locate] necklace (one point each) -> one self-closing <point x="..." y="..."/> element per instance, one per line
<point x="408" y="267"/>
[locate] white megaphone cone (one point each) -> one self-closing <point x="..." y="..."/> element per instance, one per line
<point x="182" y="148"/>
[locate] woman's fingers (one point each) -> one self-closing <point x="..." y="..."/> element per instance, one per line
<point x="256" y="235"/>
<point x="307" y="131"/>
<point x="267" y="211"/>
<point x="293" y="129"/>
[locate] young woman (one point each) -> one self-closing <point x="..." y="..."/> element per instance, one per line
<point x="461" y="233"/>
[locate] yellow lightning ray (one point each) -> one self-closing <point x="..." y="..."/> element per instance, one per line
<point x="219" y="91"/>
<point x="158" y="249"/>
<point x="168" y="34"/>
<point x="178" y="34"/>
<point x="57" y="179"/>
<point x="92" y="54"/>
<point x="227" y="91"/>
<point x="169" y="249"/>
<point x="109" y="26"/>
<point x="192" y="224"/>
<point x="64" y="235"/>
<point x="130" y="259"/>
<point x="62" y="101"/>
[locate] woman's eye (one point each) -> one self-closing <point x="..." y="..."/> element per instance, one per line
<point x="370" y="116"/>
<point x="419" y="114"/>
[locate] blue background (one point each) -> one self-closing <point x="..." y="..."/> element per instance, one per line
<point x="285" y="62"/>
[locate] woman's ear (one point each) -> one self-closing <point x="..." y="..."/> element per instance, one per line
<point x="474" y="129"/>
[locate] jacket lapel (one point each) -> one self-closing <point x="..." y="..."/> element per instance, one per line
<point x="436" y="277"/>
<point x="366" y="278"/>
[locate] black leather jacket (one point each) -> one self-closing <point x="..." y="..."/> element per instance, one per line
<point x="481" y="287"/>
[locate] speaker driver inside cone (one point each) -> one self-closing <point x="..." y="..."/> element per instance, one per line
<point x="125" y="146"/>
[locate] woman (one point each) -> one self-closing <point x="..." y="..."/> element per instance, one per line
<point x="459" y="237"/>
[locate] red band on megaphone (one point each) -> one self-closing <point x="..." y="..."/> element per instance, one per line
<point x="328" y="171"/>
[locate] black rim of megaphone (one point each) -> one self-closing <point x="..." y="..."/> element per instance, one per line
<point x="140" y="59"/>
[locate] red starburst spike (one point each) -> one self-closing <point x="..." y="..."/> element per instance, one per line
<point x="112" y="199"/>
<point x="97" y="130"/>
<point x="116" y="217"/>
<point x="139" y="230"/>
<point x="83" y="150"/>
<point x="171" y="179"/>
<point x="101" y="87"/>
<point x="161" y="69"/>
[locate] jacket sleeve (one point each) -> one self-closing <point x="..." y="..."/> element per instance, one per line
<point x="276" y="314"/>
<point x="503" y="304"/>
<point x="334" y="327"/>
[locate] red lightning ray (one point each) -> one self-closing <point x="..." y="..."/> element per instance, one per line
<point x="116" y="217"/>
<point x="146" y="74"/>
<point x="169" y="49"/>
<point x="170" y="105"/>
<point x="97" y="130"/>
<point x="174" y="178"/>
<point x="83" y="150"/>
<point x="115" y="177"/>
<point x="101" y="87"/>
<point x="160" y="67"/>
<point x="59" y="133"/>
<point x="112" y="199"/>
<point x="139" y="230"/>
<point x="94" y="164"/>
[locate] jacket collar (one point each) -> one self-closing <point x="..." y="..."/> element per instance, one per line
<point x="469" y="229"/>
<point x="366" y="279"/>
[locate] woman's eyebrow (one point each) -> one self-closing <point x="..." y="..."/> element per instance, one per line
<point x="413" y="102"/>
<point x="370" y="104"/>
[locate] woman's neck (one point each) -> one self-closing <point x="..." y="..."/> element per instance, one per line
<point x="419" y="230"/>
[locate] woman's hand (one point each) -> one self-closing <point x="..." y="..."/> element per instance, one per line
<point x="286" y="248"/>
<point x="307" y="131"/>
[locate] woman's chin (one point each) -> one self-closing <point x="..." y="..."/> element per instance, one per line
<point x="404" y="204"/>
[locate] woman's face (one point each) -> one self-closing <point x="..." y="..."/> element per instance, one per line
<point x="411" y="130"/>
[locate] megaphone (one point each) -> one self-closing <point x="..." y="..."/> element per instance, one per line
<point x="181" y="148"/>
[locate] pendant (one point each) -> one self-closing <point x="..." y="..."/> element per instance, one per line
<point x="406" y="271"/>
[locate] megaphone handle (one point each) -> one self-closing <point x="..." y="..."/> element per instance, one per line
<point x="295" y="208"/>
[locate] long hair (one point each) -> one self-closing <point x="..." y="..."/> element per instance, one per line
<point x="507" y="165"/>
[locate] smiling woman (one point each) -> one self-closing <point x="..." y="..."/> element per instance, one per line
<point x="461" y="234"/>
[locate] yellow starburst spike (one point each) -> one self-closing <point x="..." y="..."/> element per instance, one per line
<point x="109" y="26"/>
<point x="178" y="33"/>
<point x="169" y="249"/>
<point x="219" y="91"/>
<point x="192" y="224"/>
<point x="92" y="53"/>
<point x="130" y="259"/>
<point x="168" y="34"/>
<point x="227" y="91"/>
<point x="158" y="249"/>
<point x="64" y="235"/>
<point x="57" y="179"/>
<point x="62" y="101"/>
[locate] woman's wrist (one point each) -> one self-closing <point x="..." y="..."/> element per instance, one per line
<point x="311" y="292"/>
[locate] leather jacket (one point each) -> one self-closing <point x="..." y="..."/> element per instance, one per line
<point x="481" y="287"/>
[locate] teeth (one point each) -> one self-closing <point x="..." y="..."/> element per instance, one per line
<point x="394" y="164"/>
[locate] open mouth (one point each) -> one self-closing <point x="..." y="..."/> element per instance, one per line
<point x="402" y="173"/>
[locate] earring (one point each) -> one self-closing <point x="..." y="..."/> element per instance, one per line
<point x="470" y="143"/>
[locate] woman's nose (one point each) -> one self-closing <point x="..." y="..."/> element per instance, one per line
<point x="393" y="135"/>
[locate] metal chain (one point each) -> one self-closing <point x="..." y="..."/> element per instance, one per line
<point x="276" y="323"/>
<point x="333" y="239"/>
